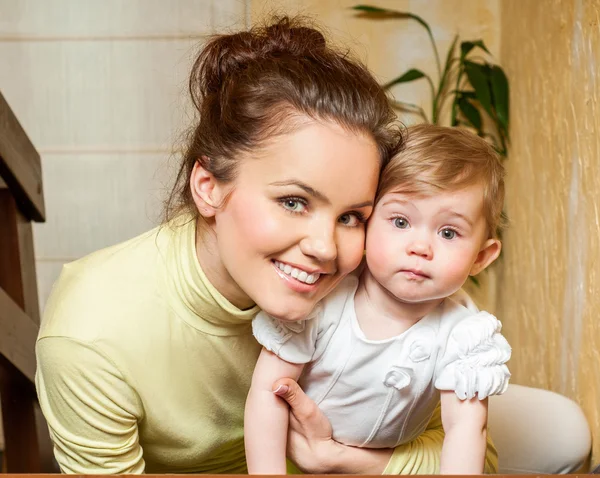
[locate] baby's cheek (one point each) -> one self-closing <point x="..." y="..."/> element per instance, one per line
<point x="457" y="271"/>
<point x="378" y="258"/>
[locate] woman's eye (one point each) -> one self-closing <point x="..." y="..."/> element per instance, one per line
<point x="400" y="223"/>
<point x="351" y="220"/>
<point x="448" y="233"/>
<point x="293" y="205"/>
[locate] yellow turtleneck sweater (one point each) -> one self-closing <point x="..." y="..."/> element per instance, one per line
<point x="143" y="366"/>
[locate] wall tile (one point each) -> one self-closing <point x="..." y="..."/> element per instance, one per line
<point x="98" y="95"/>
<point x="93" y="18"/>
<point x="94" y="201"/>
<point x="47" y="273"/>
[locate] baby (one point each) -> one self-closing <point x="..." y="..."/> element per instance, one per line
<point x="380" y="352"/>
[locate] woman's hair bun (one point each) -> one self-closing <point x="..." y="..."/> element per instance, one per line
<point x="249" y="87"/>
<point x="226" y="55"/>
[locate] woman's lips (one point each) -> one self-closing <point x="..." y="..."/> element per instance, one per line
<point x="295" y="284"/>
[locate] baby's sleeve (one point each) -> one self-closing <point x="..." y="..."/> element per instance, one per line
<point x="294" y="342"/>
<point x="474" y="361"/>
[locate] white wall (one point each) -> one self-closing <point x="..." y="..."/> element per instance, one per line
<point x="100" y="88"/>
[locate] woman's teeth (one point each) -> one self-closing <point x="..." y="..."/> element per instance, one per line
<point x="298" y="274"/>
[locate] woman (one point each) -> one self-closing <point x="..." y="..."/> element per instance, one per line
<point x="145" y="353"/>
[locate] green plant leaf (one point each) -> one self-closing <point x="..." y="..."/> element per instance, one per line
<point x="387" y="13"/>
<point x="383" y="13"/>
<point x="470" y="112"/>
<point x="410" y="108"/>
<point x="411" y="75"/>
<point x="500" y="95"/>
<point x="465" y="94"/>
<point x="441" y="92"/>
<point x="478" y="77"/>
<point x="449" y="57"/>
<point x="467" y="46"/>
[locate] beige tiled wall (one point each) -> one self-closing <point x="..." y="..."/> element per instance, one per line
<point x="100" y="87"/>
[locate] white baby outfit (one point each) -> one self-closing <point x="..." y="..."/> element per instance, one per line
<point x="382" y="393"/>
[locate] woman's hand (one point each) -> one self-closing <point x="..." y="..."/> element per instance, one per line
<point x="311" y="445"/>
<point x="310" y="439"/>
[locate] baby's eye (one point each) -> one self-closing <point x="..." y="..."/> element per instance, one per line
<point x="293" y="205"/>
<point x="448" y="233"/>
<point x="400" y="223"/>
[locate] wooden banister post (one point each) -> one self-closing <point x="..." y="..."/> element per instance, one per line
<point x="26" y="441"/>
<point x="17" y="395"/>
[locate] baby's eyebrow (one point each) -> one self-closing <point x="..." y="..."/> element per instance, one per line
<point x="458" y="215"/>
<point x="402" y="202"/>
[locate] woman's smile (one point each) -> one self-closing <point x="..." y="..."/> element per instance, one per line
<point x="300" y="274"/>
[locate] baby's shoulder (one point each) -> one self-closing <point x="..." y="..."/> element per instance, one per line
<point x="455" y="309"/>
<point x="462" y="323"/>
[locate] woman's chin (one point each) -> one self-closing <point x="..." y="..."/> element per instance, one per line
<point x="287" y="312"/>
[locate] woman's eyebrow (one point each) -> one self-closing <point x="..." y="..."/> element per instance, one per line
<point x="305" y="187"/>
<point x="316" y="194"/>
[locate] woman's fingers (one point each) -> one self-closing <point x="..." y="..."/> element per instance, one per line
<point x="305" y="413"/>
<point x="309" y="438"/>
<point x="300" y="405"/>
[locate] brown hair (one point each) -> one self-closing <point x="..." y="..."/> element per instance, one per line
<point x="251" y="86"/>
<point x="437" y="158"/>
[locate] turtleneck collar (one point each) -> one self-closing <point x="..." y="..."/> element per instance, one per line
<point x="189" y="291"/>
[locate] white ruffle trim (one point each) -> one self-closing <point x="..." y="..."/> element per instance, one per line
<point x="475" y="358"/>
<point x="291" y="341"/>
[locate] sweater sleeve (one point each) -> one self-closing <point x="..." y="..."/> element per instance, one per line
<point x="92" y="412"/>
<point x="422" y="455"/>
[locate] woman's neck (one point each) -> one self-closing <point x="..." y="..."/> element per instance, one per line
<point x="207" y="252"/>
<point x="380" y="314"/>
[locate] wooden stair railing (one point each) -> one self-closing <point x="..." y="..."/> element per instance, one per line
<point x="26" y="441"/>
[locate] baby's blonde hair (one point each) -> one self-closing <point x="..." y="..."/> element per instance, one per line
<point x="437" y="158"/>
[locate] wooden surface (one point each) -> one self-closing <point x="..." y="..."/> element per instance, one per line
<point x="17" y="336"/>
<point x="18" y="291"/>
<point x="17" y="258"/>
<point x="20" y="165"/>
<point x="275" y="476"/>
<point x="27" y="263"/>
<point x="19" y="421"/>
<point x="23" y="434"/>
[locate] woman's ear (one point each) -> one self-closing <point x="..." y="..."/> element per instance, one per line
<point x="488" y="254"/>
<point x="206" y="191"/>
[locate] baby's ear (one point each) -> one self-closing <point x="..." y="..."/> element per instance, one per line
<point x="489" y="253"/>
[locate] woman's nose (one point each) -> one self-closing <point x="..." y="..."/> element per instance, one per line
<point x="320" y="243"/>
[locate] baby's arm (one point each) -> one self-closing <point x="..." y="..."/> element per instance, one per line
<point x="267" y="416"/>
<point x="465" y="426"/>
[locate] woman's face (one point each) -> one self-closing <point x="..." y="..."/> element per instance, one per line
<point x="293" y="223"/>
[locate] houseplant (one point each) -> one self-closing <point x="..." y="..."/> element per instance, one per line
<point x="475" y="87"/>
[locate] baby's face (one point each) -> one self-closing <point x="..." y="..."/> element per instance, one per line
<point x="424" y="248"/>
